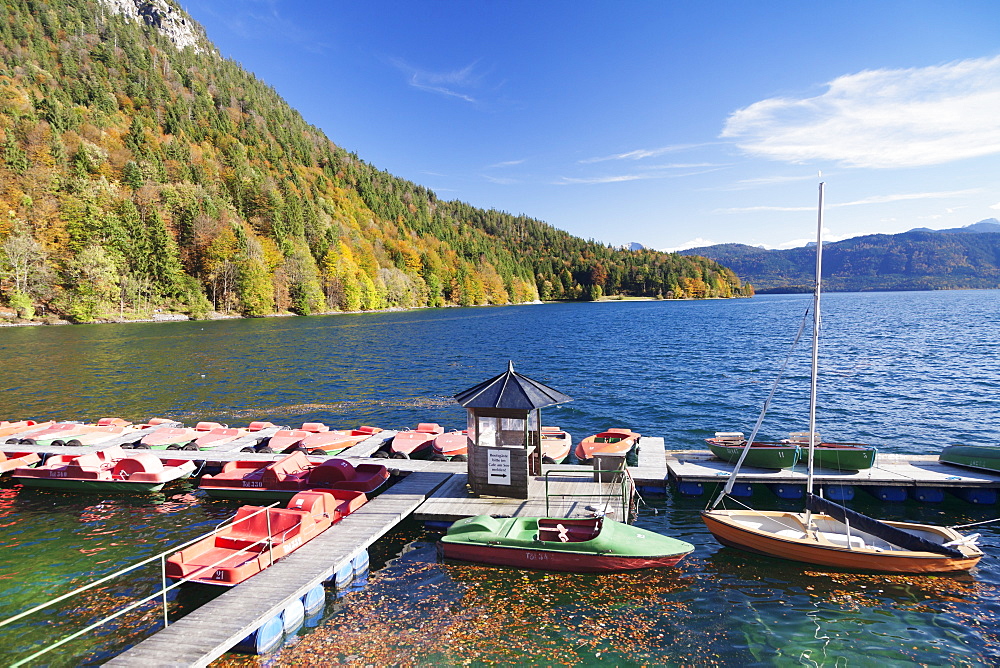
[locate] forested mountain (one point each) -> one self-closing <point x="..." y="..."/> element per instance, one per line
<point x="966" y="257"/>
<point x="139" y="170"/>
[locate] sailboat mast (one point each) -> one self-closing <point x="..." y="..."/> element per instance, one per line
<point x="815" y="341"/>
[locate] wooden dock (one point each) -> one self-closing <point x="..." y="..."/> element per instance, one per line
<point x="572" y="492"/>
<point x="890" y="470"/>
<point x="437" y="493"/>
<point x="205" y="634"/>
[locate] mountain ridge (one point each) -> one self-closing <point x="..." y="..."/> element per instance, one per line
<point x="960" y="258"/>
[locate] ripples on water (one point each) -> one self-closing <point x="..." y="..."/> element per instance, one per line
<point x="910" y="372"/>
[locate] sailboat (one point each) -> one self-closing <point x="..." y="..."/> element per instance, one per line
<point x="826" y="533"/>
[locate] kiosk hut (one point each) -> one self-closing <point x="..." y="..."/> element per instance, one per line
<point x="505" y="432"/>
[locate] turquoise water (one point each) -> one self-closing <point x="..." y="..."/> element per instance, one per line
<point x="909" y="372"/>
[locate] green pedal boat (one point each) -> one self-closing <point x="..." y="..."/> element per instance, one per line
<point x="577" y="545"/>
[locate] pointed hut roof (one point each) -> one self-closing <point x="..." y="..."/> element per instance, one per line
<point x="511" y="390"/>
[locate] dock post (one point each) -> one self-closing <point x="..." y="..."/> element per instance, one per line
<point x="607" y="466"/>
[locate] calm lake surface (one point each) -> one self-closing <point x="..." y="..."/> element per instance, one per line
<point x="909" y="372"/>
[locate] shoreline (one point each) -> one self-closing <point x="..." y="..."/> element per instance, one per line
<point x="9" y="319"/>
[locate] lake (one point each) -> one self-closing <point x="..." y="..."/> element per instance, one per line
<point x="909" y="372"/>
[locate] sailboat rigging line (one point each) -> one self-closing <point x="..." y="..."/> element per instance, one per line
<point x="763" y="411"/>
<point x="754" y="510"/>
<point x="974" y="524"/>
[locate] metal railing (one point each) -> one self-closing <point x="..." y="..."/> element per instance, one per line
<point x="164" y="588"/>
<point x="621" y="485"/>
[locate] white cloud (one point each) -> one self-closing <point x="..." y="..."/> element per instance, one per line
<point x="900" y="197"/>
<point x="881" y="118"/>
<point x="501" y="181"/>
<point x="449" y="84"/>
<point x="743" y="184"/>
<point x="642" y="153"/>
<point x="694" y="243"/>
<point x="650" y="173"/>
<point x="506" y="163"/>
<point x="995" y="206"/>
<point x="604" y="179"/>
<point x="874" y="199"/>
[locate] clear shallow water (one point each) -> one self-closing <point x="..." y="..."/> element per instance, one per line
<point x="910" y="372"/>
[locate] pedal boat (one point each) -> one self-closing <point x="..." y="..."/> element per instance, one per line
<point x="12" y="460"/>
<point x="78" y="433"/>
<point x="452" y="445"/>
<point x="176" y="438"/>
<point x="729" y="445"/>
<point x="259" y="536"/>
<point x="335" y="441"/>
<point x="287" y="440"/>
<point x="416" y="443"/>
<point x="556" y="445"/>
<point x="576" y="545"/>
<point x="612" y="441"/>
<point x="9" y="428"/>
<point x="109" y="470"/>
<point x="221" y="435"/>
<point x="281" y="480"/>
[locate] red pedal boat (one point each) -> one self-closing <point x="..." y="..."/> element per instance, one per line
<point x="223" y="434"/>
<point x="413" y="444"/>
<point x="176" y="438"/>
<point x="7" y="428"/>
<point x="612" y="441"/>
<point x="281" y="480"/>
<point x="12" y="460"/>
<point x="286" y="440"/>
<point x="260" y="536"/>
<point x="333" y="441"/>
<point x="453" y="445"/>
<point x="108" y="470"/>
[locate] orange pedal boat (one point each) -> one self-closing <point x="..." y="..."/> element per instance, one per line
<point x="612" y="441"/>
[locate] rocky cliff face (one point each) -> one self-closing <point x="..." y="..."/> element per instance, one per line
<point x="163" y="16"/>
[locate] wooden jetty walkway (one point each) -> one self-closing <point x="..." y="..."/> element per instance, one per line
<point x="890" y="470"/>
<point x="205" y="634"/>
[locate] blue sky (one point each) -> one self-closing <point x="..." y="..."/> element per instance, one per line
<point x="672" y="124"/>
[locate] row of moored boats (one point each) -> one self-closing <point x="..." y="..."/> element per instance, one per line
<point x="428" y="440"/>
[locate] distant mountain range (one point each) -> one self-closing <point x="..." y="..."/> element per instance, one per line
<point x="921" y="259"/>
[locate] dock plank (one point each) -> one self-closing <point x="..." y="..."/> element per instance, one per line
<point x="454" y="500"/>
<point x="207" y="633"/>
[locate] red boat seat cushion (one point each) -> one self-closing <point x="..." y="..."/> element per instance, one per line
<point x="330" y="473"/>
<point x="207" y="426"/>
<point x="291" y="465"/>
<point x="314" y="427"/>
<point x="143" y="462"/>
<point x="85" y="466"/>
